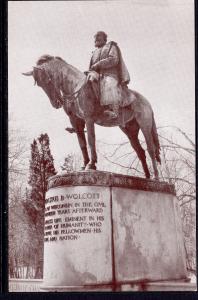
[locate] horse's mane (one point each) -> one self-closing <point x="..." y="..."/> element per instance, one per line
<point x="46" y="58"/>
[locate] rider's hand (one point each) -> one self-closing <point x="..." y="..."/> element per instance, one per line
<point x="94" y="67"/>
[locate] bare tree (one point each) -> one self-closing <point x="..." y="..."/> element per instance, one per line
<point x="18" y="154"/>
<point x="18" y="225"/>
<point x="71" y="163"/>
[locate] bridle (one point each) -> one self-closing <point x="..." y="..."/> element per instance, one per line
<point x="68" y="98"/>
<point x="71" y="98"/>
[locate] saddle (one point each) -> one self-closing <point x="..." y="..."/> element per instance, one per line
<point x="93" y="77"/>
<point x="125" y="111"/>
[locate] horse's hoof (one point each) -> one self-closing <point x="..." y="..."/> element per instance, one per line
<point x="90" y="167"/>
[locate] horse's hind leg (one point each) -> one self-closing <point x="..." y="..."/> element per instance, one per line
<point x="131" y="130"/>
<point x="147" y="132"/>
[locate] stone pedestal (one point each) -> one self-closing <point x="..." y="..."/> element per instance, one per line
<point x="103" y="230"/>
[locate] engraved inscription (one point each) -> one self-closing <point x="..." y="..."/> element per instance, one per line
<point x="69" y="216"/>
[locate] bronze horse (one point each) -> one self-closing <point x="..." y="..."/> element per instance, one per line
<point x="66" y="87"/>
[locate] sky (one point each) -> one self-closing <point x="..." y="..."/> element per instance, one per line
<point x="156" y="38"/>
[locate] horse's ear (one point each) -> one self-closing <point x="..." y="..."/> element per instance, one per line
<point x="30" y="73"/>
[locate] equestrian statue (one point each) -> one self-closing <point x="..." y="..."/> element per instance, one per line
<point x="99" y="96"/>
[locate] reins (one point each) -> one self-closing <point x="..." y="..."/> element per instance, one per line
<point x="70" y="98"/>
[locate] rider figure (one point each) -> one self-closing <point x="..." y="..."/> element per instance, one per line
<point x="113" y="75"/>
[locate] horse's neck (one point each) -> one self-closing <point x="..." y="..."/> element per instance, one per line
<point x="72" y="77"/>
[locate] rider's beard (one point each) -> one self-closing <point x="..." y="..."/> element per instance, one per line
<point x="99" y="44"/>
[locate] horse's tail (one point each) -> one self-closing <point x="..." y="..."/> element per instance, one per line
<point x="156" y="140"/>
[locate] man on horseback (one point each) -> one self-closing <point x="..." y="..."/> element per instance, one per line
<point x="108" y="69"/>
<point x="59" y="80"/>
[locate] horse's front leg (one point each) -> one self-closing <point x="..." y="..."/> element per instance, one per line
<point x="92" y="144"/>
<point x="83" y="145"/>
<point x="78" y="127"/>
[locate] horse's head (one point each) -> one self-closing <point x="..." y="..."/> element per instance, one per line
<point x="46" y="76"/>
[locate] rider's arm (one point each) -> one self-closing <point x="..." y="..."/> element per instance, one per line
<point x="111" y="61"/>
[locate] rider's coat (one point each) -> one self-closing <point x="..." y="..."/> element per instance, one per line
<point x="113" y="74"/>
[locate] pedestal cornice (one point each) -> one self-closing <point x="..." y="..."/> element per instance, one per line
<point x="101" y="178"/>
